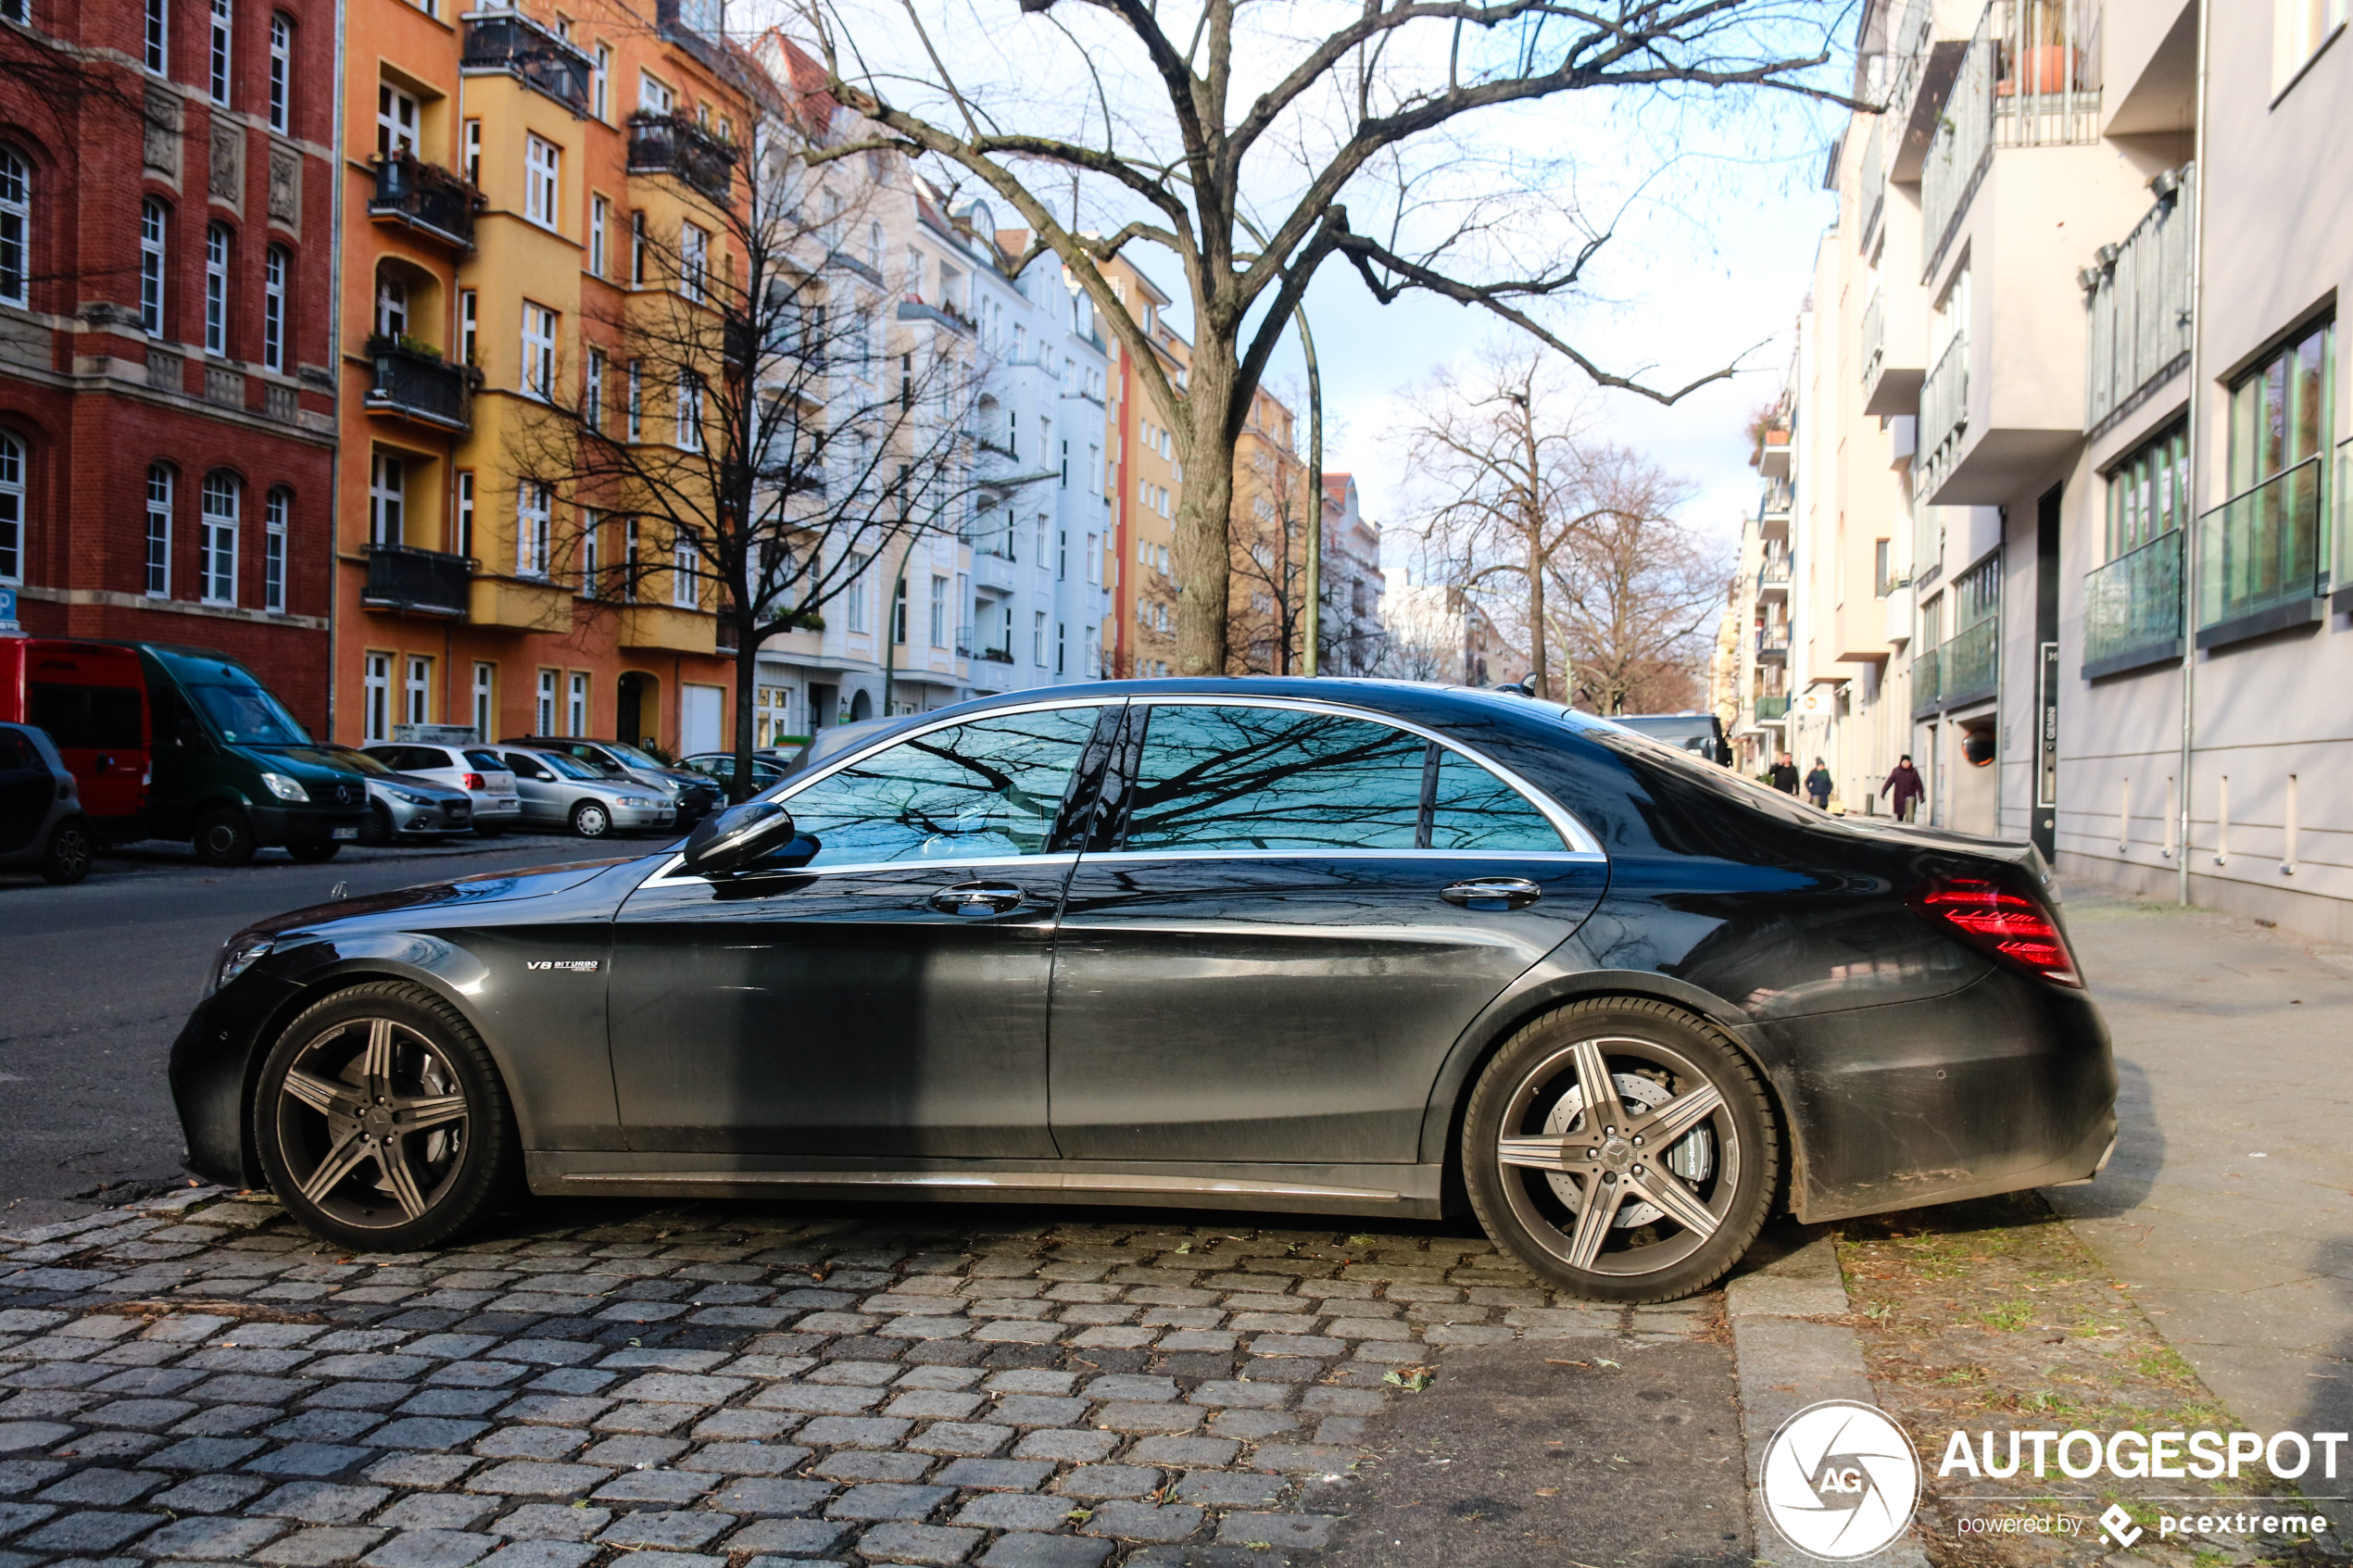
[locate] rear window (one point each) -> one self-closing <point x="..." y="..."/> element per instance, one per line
<point x="486" y="759"/>
<point x="92" y="717"/>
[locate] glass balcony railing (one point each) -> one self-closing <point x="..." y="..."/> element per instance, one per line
<point x="1771" y="709"/>
<point x="2138" y="325"/>
<point x="2260" y="561"/>
<point x="1926" y="683"/>
<point x="1971" y="665"/>
<point x="2132" y="608"/>
<point x="1943" y="414"/>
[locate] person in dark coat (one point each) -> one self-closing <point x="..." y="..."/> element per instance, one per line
<point x="1817" y="786"/>
<point x="1782" y="775"/>
<point x="1905" y="790"/>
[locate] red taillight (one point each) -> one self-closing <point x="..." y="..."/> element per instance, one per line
<point x="474" y="780"/>
<point x="2005" y="923"/>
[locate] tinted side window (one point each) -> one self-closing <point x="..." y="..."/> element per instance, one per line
<point x="525" y="766"/>
<point x="1473" y="809"/>
<point x="1270" y="778"/>
<point x="99" y="717"/>
<point x="17" y="755"/>
<point x="992" y="787"/>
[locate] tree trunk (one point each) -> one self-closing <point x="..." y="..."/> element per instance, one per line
<point x="1539" y="680"/>
<point x="1205" y="512"/>
<point x="747" y="689"/>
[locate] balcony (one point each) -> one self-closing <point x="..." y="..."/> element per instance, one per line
<point x="993" y="573"/>
<point x="1944" y="415"/>
<point x="914" y="309"/>
<point x="1772" y="644"/>
<point x="1773" y="515"/>
<point x="414" y="381"/>
<point x="1772" y="710"/>
<point x="2141" y="303"/>
<point x="674" y="145"/>
<point x="1969" y="667"/>
<point x="1772" y="453"/>
<point x="520" y="604"/>
<point x="1871" y="343"/>
<point x="668" y="628"/>
<point x="418" y="582"/>
<point x="1927" y="667"/>
<point x="1916" y="62"/>
<point x="2259" y="566"/>
<point x="426" y="199"/>
<point x="2030" y="76"/>
<point x="1772" y="578"/>
<point x="511" y="44"/>
<point x="2133" y="608"/>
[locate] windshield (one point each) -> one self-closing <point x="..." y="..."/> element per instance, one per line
<point x="249" y="716"/>
<point x="632" y="756"/>
<point x="569" y="767"/>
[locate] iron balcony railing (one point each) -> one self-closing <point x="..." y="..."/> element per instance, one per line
<point x="2030" y="78"/>
<point x="1944" y="413"/>
<point x="2132" y="608"/>
<point x="2260" y="561"/>
<point x="673" y="143"/>
<point x="2140" y="302"/>
<point x="1969" y="666"/>
<point x="1873" y="346"/>
<point x="510" y="41"/>
<point x="425" y="197"/>
<point x="419" y="385"/>
<point x="421" y="582"/>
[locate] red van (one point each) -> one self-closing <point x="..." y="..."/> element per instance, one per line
<point x="92" y="698"/>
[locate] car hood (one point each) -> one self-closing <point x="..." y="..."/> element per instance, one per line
<point x="494" y="887"/>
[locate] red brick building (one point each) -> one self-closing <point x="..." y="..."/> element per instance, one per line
<point x="167" y="248"/>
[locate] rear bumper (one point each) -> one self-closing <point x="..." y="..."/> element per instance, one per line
<point x="2005" y="1085"/>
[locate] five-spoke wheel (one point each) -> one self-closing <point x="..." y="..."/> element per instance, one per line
<point x="381" y="1120"/>
<point x="1621" y="1148"/>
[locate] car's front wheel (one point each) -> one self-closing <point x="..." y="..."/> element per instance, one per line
<point x="382" y="1121"/>
<point x="1623" y="1149"/>
<point x="67" y="860"/>
<point x="223" y="837"/>
<point x="376" y="832"/>
<point x="590" y="820"/>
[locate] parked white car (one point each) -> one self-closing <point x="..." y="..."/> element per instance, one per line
<point x="478" y="771"/>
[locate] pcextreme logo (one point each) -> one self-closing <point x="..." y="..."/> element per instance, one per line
<point x="1840" y="1480"/>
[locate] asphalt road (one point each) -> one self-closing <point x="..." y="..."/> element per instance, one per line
<point x="96" y="980"/>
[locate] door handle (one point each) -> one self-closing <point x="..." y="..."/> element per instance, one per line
<point x="1492" y="894"/>
<point x="973" y="899"/>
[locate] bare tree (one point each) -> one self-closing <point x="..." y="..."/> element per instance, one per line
<point x="1209" y="121"/>
<point x="1634" y="594"/>
<point x="1268" y="544"/>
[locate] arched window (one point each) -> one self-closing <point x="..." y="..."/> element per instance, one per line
<point x="16" y="225"/>
<point x="277" y="510"/>
<point x="154" y="223"/>
<point x="11" y="509"/>
<point x="160" y="531"/>
<point x="274" y="267"/>
<point x="280" y="72"/>
<point x="217" y="540"/>
<point x="216" y="288"/>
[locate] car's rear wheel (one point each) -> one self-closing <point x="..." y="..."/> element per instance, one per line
<point x="376" y="832"/>
<point x="382" y="1121"/>
<point x="223" y="837"/>
<point x="590" y="820"/>
<point x="67" y="860"/>
<point x="1623" y="1149"/>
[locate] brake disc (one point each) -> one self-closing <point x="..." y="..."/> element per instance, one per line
<point x="1692" y="1158"/>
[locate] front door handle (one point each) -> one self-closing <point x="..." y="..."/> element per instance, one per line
<point x="1492" y="894"/>
<point x="973" y="899"/>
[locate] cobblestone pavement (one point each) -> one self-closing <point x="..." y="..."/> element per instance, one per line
<point x="722" y="1387"/>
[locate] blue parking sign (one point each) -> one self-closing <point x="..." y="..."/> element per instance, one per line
<point x="8" y="609"/>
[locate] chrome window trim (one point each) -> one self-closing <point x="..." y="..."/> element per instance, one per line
<point x="665" y="877"/>
<point x="1550" y="856"/>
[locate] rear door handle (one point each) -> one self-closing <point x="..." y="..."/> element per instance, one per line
<point x="1492" y="894"/>
<point x="973" y="899"/>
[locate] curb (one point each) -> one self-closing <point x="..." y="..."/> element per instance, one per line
<point x="1786" y="1359"/>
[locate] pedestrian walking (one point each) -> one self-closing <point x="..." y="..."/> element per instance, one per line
<point x="1905" y="790"/>
<point x="1817" y="786"/>
<point x="1782" y="775"/>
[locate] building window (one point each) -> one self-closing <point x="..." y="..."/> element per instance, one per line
<point x="216" y="288"/>
<point x="576" y="708"/>
<point x="539" y="351"/>
<point x="689" y="404"/>
<point x="652" y="96"/>
<point x="274" y="310"/>
<point x="875" y="247"/>
<point x="469" y="152"/>
<point x="485" y="699"/>
<point x="637" y="401"/>
<point x="16" y="225"/>
<point x="2280" y="411"/>
<point x="158" y="36"/>
<point x="1038" y="640"/>
<point x="685" y="576"/>
<point x="637" y="249"/>
<point x="417" y="690"/>
<point x="856" y="613"/>
<point x="2148" y="492"/>
<point x="276" y="508"/>
<point x="158" y="532"/>
<point x="599" y="216"/>
<point x="694" y="252"/>
<point x="543" y="713"/>
<point x="469" y="324"/>
<point x="591" y="542"/>
<point x="592" y="395"/>
<point x="466" y="512"/>
<point x="217" y="539"/>
<point x="532" y="508"/>
<point x="280" y="73"/>
<point x="375" y="707"/>
<point x="2299" y="28"/>
<point x="153" y="224"/>
<point x="397" y="121"/>
<point x="939" y="612"/>
<point x="628" y="567"/>
<point x="541" y="164"/>
<point x="1062" y="647"/>
<point x="387" y="498"/>
<point x="217" y="79"/>
<point x="601" y="84"/>
<point x="11" y="509"/>
<point x="392" y="305"/>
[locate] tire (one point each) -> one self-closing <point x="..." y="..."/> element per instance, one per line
<point x="67" y="860"/>
<point x="436" y="1152"/>
<point x="591" y="819"/>
<point x="314" y="852"/>
<point x="376" y="832"/>
<point x="481" y="832"/>
<point x="1721" y="1170"/>
<point x="224" y="838"/>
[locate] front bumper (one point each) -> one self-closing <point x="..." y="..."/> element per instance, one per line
<point x="2005" y="1085"/>
<point x="640" y="817"/>
<point x="295" y="824"/>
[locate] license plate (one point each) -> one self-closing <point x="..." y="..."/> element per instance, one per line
<point x="346" y="832"/>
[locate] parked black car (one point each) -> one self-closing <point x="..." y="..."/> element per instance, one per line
<point x="41" y="825"/>
<point x="1349" y="947"/>
<point x="697" y="794"/>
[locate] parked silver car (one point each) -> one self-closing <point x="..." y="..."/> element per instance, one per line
<point x="560" y="791"/>
<point x="42" y="827"/>
<point x="476" y="769"/>
<point x="403" y="805"/>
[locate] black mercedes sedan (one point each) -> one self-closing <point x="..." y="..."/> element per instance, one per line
<point x="1346" y="946"/>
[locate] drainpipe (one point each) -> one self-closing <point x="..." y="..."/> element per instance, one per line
<point x="2199" y="424"/>
<point x="334" y="364"/>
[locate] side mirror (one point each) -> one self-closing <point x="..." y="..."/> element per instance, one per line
<point x="726" y="840"/>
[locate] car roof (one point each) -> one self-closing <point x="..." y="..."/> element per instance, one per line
<point x="1414" y="699"/>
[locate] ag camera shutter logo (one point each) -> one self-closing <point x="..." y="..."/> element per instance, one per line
<point x="1840" y="1480"/>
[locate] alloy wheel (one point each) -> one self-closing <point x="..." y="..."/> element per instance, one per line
<point x="372" y="1122"/>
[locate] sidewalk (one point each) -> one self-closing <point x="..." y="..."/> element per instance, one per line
<point x="2228" y="1208"/>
